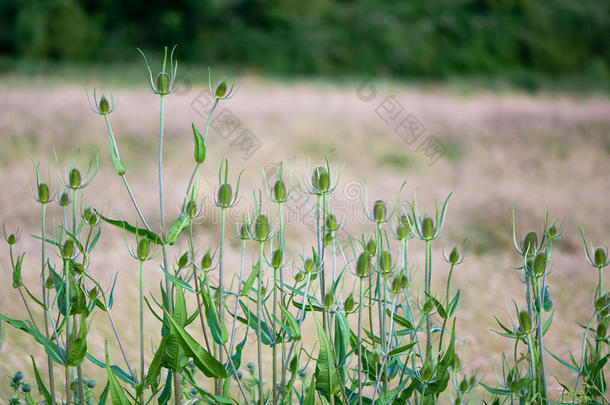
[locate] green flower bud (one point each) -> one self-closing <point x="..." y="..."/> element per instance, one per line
<point x="263" y="290"/>
<point x="525" y="323"/>
<point x="276" y="259"/>
<point x="427" y="372"/>
<point x="68" y="249"/>
<point x="363" y="265"/>
<point x="279" y="191"/>
<point x="404" y="281"/>
<point x="328" y="299"/>
<point x="454" y="256"/>
<point x="183" y="260"/>
<point x="143" y="249"/>
<point x="328" y="238"/>
<point x="530" y="243"/>
<point x="225" y="194"/>
<point x="294" y="363"/>
<point x="601" y="302"/>
<point x="348" y="305"/>
<point x="371" y="248"/>
<point x="87" y="213"/>
<point x="91" y="383"/>
<point x="401" y="232"/>
<point x="298" y="277"/>
<point x="540" y="264"/>
<point x="600" y="257"/>
<point x="191" y="209"/>
<point x="243" y="232"/>
<point x="26" y="387"/>
<point x="380" y="211"/>
<point x="43" y="193"/>
<point x="463" y="386"/>
<point x="221" y="89"/>
<point x="553" y="232"/>
<point x="92" y="220"/>
<point x="309" y="265"/>
<point x="103" y="106"/>
<point x="162" y="83"/>
<point x="78" y="268"/>
<point x="12" y="239"/>
<point x="75" y="178"/>
<point x="601" y="331"/>
<point x="385" y="261"/>
<point x="261" y="228"/>
<point x="396" y="285"/>
<point x="250" y="366"/>
<point x="64" y="199"/>
<point x="331" y="222"/>
<point x="18" y="376"/>
<point x="49" y="283"/>
<point x="93" y="293"/>
<point x="428" y="307"/>
<point x="206" y="261"/>
<point x="427" y="228"/>
<point x="320" y="179"/>
<point x="73" y="385"/>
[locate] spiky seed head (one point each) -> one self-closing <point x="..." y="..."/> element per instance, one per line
<point x="427" y="371"/>
<point x="263" y="290"/>
<point x="428" y="307"/>
<point x="243" y="232"/>
<point x="64" y="199"/>
<point x="553" y="232"/>
<point x="331" y="222"/>
<point x="49" y="283"/>
<point x="221" y="89"/>
<point x="380" y="211"/>
<point x="250" y="366"/>
<point x="363" y="265"/>
<point x="276" y="259"/>
<point x="92" y="293"/>
<point x="91" y="383"/>
<point x="328" y="238"/>
<point x="279" y="191"/>
<point x="385" y="261"/>
<point x="261" y="228"/>
<point x="348" y="305"/>
<point x="18" y="376"/>
<point x="92" y="220"/>
<point x="103" y="105"/>
<point x="309" y="265"/>
<point x="401" y="232"/>
<point x="68" y="249"/>
<point x="162" y="81"/>
<point x="320" y="179"/>
<point x="75" y="178"/>
<point x="11" y="239"/>
<point x="454" y="256"/>
<point x="143" y="249"/>
<point x="404" y="281"/>
<point x="600" y="257"/>
<point x="87" y="213"/>
<point x="294" y="363"/>
<point x="191" y="209"/>
<point x="78" y="268"/>
<point x="463" y="386"/>
<point x="371" y="248"/>
<point x="525" y="322"/>
<point x="302" y="373"/>
<point x="530" y="243"/>
<point x="427" y="228"/>
<point x="540" y="264"/>
<point x="396" y="285"/>
<point x="601" y="302"/>
<point x="26" y="387"/>
<point x="183" y="260"/>
<point x="328" y="299"/>
<point x="225" y="194"/>
<point x="298" y="277"/>
<point x="43" y="193"/>
<point x="601" y="331"/>
<point x="206" y="261"/>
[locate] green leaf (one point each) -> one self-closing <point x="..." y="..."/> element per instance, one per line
<point x="199" y="150"/>
<point x="151" y="236"/>
<point x="154" y="369"/>
<point x="327" y="379"/>
<point x="295" y="329"/>
<point x="236" y="358"/>
<point x="177" y="228"/>
<point x="167" y="390"/>
<point x="177" y="281"/>
<point x="310" y="396"/>
<point x="78" y="346"/>
<point x="342" y="334"/>
<point x="118" y="165"/>
<point x="547" y="323"/>
<point x="41" y="387"/>
<point x="201" y="357"/>
<point x="215" y="399"/>
<point x="497" y="391"/>
<point x="219" y="331"/>
<point x="401" y="349"/>
<point x="247" y="286"/>
<point x="117" y="395"/>
<point x="453" y="304"/>
<point x="252" y="321"/>
<point x="118" y="371"/>
<point x="17" y="280"/>
<point x="563" y="362"/>
<point x="180" y="312"/>
<point x="26" y="326"/>
<point x="104" y="395"/>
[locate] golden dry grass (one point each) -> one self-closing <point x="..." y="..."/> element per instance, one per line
<point x="533" y="153"/>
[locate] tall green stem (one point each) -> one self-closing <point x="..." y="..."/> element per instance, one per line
<point x="360" y="302"/>
<point x="68" y="375"/>
<point x="45" y="297"/>
<point x="142" y="372"/>
<point x="220" y="280"/>
<point x="259" y="314"/>
<point x="428" y="276"/>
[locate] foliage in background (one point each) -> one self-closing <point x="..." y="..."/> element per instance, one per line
<point x="523" y="40"/>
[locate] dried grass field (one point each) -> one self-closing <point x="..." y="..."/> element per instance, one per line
<point x="499" y="150"/>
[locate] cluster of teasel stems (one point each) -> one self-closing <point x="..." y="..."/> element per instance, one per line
<point x="391" y="349"/>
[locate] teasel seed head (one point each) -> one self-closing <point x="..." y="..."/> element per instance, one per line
<point x="601" y="331"/>
<point x="380" y="211"/>
<point x="43" y="193"/>
<point x="162" y="82"/>
<point x="298" y="277"/>
<point x="530" y="243"/>
<point x="428" y="307"/>
<point x="401" y="232"/>
<point x="143" y="249"/>
<point x="525" y="322"/>
<point x="363" y="265"/>
<point x="427" y="371"/>
<point x="540" y="264"/>
<point x="331" y="222"/>
<point x="294" y="363"/>
<point x="396" y="285"/>
<point x="243" y="232"/>
<point x="279" y="191"/>
<point x="276" y="259"/>
<point x="385" y="262"/>
<point x="261" y="228"/>
<point x="49" y="283"/>
<point x="320" y="179"/>
<point x="348" y="305"/>
<point x="328" y="238"/>
<point x="329" y="299"/>
<point x="309" y="265"/>
<point x="64" y="199"/>
<point x="75" y="178"/>
<point x="221" y="89"/>
<point x="600" y="256"/>
<point x="68" y="249"/>
<point x="191" y="209"/>
<point x="225" y="195"/>
<point x="206" y="261"/>
<point x="183" y="260"/>
<point x="371" y="248"/>
<point x="427" y="228"/>
<point x="103" y="105"/>
<point x="78" y="268"/>
<point x="454" y="256"/>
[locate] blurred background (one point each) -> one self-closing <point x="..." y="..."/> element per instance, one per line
<point x="502" y="102"/>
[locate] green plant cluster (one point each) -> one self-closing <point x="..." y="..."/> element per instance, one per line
<point x="379" y="337"/>
<point x="520" y="39"/>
